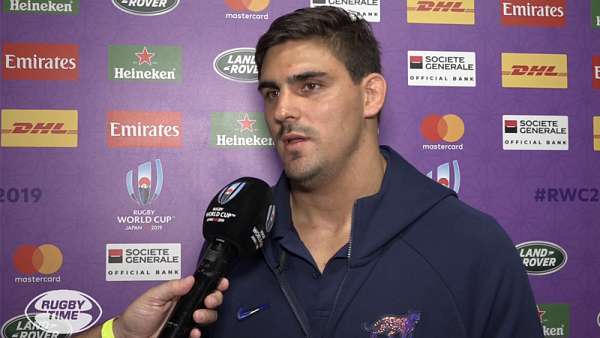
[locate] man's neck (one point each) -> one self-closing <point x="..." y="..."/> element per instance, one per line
<point x="322" y="215"/>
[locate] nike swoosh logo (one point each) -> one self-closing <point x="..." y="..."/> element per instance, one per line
<point x="245" y="313"/>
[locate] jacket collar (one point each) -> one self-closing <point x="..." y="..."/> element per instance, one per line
<point x="405" y="195"/>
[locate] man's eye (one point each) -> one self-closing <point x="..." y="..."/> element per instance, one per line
<point x="310" y="86"/>
<point x="271" y="94"/>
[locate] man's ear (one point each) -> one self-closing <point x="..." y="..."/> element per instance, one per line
<point x="374" y="89"/>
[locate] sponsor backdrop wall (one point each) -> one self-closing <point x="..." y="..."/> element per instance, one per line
<point x="121" y="119"/>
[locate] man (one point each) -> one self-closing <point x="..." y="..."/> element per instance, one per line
<point x="364" y="245"/>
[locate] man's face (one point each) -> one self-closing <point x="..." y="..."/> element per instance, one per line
<point x="313" y="109"/>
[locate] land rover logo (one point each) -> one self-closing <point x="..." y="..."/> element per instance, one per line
<point x="20" y="326"/>
<point x="146" y="7"/>
<point x="542" y="258"/>
<point x="237" y="65"/>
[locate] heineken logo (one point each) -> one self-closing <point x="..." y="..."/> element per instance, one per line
<point x="146" y="7"/>
<point x="235" y="130"/>
<point x="144" y="63"/>
<point x="554" y="319"/>
<point x="237" y="65"/>
<point x="41" y="6"/>
<point x="595" y="14"/>
<point x="21" y="327"/>
<point x="542" y="258"/>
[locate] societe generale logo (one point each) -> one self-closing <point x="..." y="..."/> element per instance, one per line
<point x="40" y="61"/>
<point x="441" y="12"/>
<point x="143" y="129"/>
<point x="247" y="5"/>
<point x="38" y="128"/>
<point x="534" y="70"/>
<point x="545" y="13"/>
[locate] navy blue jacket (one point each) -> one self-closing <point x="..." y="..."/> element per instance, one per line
<point x="422" y="265"/>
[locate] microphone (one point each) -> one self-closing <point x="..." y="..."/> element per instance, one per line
<point x="236" y="223"/>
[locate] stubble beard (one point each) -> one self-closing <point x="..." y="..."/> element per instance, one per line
<point x="300" y="168"/>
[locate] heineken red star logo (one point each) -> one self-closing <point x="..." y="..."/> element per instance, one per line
<point x="541" y="313"/>
<point x="145" y="57"/>
<point x="246" y="123"/>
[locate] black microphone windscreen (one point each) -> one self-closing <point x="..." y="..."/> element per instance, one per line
<point x="242" y="214"/>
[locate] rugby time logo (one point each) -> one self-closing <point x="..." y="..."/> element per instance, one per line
<point x="63" y="311"/>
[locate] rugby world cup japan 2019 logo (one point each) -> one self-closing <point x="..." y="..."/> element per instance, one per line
<point x="63" y="311"/>
<point x="141" y="189"/>
<point x="229" y="192"/>
<point x="444" y="175"/>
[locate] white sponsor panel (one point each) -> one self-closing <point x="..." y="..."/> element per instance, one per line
<point x="370" y="10"/>
<point x="143" y="261"/>
<point x="441" y="68"/>
<point x="63" y="311"/>
<point x="535" y="132"/>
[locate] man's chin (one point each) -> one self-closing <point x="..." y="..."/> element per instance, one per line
<point x="302" y="176"/>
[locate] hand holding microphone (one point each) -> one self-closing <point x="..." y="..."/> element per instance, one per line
<point x="235" y="224"/>
<point x="144" y="317"/>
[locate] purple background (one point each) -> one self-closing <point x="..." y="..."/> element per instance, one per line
<point x="84" y="190"/>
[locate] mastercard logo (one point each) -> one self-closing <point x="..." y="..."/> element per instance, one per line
<point x="45" y="259"/>
<point x="449" y="128"/>
<point x="247" y="5"/>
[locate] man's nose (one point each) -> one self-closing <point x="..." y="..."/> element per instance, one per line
<point x="286" y="107"/>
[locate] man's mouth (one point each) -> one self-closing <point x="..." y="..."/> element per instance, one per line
<point x="292" y="138"/>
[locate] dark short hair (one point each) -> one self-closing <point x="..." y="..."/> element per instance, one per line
<point x="348" y="36"/>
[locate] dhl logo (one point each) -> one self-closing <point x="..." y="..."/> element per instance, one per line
<point x="441" y="12"/>
<point x="534" y="70"/>
<point x="38" y="128"/>
<point x="441" y="6"/>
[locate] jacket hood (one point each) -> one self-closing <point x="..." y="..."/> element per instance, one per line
<point x="405" y="195"/>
